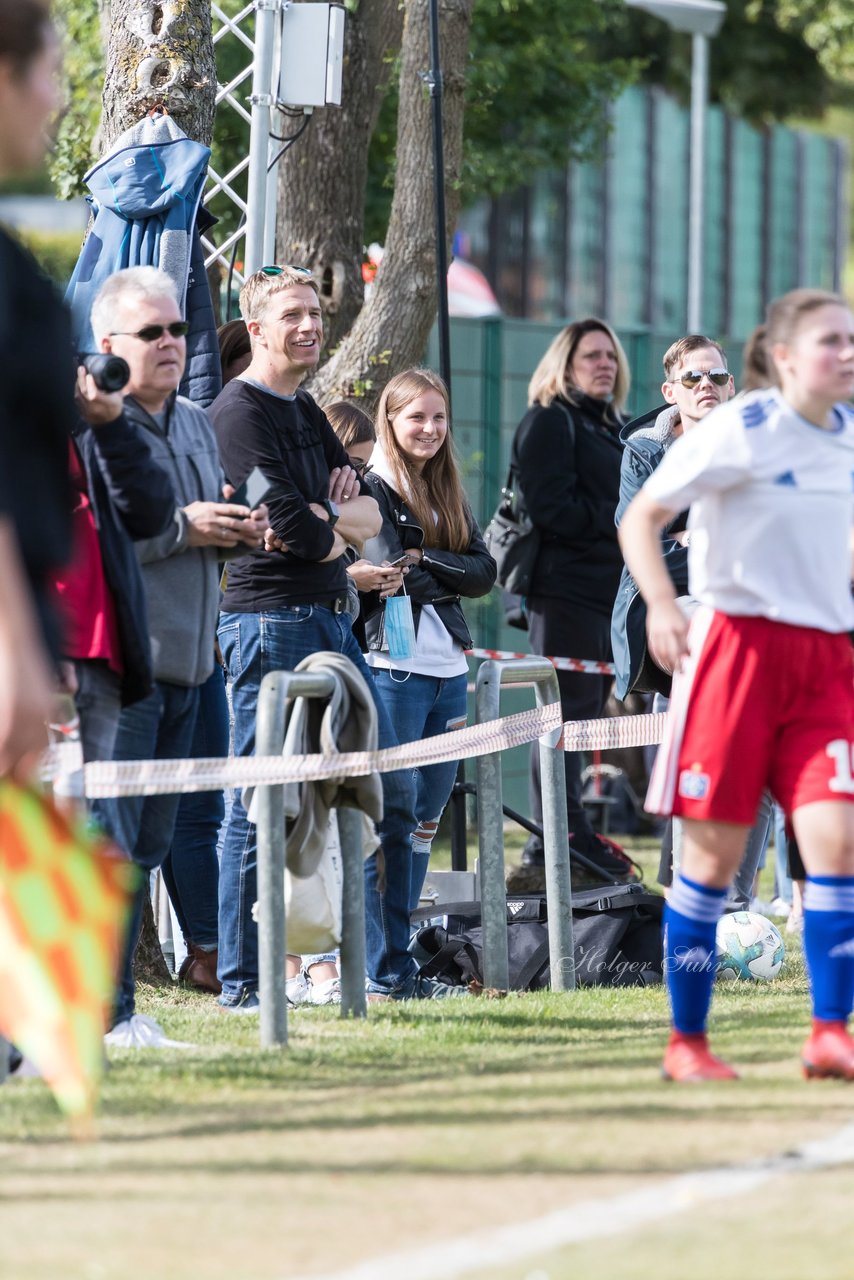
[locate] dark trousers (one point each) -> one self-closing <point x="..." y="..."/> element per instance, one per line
<point x="558" y="629"/>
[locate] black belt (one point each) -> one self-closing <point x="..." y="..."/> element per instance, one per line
<point x="340" y="604"/>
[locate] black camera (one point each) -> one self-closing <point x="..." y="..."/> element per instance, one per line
<point x="111" y="373"/>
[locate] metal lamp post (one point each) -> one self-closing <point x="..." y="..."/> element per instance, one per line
<point x="701" y="19"/>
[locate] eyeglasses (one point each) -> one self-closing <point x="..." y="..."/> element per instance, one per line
<point x="357" y="464"/>
<point x="277" y="271"/>
<point x="693" y="377"/>
<point x="151" y="332"/>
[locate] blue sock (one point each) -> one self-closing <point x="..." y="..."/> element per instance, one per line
<point x="690" y="920"/>
<point x="829" y="945"/>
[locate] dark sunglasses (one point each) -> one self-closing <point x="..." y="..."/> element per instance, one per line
<point x="277" y="271"/>
<point x="693" y="377"/>
<point x="151" y="332"/>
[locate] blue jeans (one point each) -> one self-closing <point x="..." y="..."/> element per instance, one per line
<point x="191" y="867"/>
<point x="422" y="707"/>
<point x="99" y="703"/>
<point x="158" y="728"/>
<point x="782" y="879"/>
<point x="254" y="644"/>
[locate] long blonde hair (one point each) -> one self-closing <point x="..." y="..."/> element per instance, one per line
<point x="550" y="379"/>
<point x="437" y="487"/>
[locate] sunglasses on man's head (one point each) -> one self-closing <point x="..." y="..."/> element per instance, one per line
<point x="277" y="271"/>
<point x="693" y="377"/>
<point x="151" y="332"/>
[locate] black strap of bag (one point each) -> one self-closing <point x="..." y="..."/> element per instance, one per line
<point x="533" y="965"/>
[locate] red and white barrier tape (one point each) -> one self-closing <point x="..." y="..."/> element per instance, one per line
<point x="613" y="732"/>
<point x="109" y="779"/>
<point x="561" y="664"/>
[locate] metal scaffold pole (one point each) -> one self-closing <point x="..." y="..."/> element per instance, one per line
<point x="261" y="101"/>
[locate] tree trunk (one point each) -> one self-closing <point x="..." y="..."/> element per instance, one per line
<point x="392" y="328"/>
<point x="159" y="54"/>
<point x="148" y="962"/>
<point x="322" y="178"/>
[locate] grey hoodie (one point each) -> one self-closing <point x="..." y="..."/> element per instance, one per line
<point x="181" y="582"/>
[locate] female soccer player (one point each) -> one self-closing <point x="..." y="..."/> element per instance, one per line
<point x="764" y="690"/>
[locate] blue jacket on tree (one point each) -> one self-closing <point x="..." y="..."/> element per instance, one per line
<point x="146" y="202"/>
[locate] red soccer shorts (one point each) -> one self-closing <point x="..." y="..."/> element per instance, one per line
<point x="759" y="704"/>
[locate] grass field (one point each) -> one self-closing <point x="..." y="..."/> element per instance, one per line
<point x="424" y="1123"/>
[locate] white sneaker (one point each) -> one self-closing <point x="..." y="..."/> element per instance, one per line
<point x="781" y="908"/>
<point x="298" y="990"/>
<point x="328" y="992"/>
<point x="139" y="1032"/>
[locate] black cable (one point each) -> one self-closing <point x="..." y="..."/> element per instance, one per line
<point x="288" y="141"/>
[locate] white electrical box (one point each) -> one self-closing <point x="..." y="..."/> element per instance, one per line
<point x="312" y="55"/>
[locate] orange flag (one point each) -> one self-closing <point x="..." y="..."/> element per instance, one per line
<point x="64" y="898"/>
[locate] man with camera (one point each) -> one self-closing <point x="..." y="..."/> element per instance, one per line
<point x="118" y="494"/>
<point x="136" y="315"/>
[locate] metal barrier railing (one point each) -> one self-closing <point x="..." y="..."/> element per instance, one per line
<point x="490" y="678"/>
<point x="276" y="688"/>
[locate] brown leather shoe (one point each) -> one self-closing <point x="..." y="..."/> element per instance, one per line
<point x="198" y="970"/>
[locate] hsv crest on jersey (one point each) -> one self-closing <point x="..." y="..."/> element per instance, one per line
<point x="693" y="784"/>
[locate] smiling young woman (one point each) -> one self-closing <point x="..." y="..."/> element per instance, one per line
<point x="426" y="517"/>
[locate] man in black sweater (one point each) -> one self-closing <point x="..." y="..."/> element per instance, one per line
<point x="286" y="602"/>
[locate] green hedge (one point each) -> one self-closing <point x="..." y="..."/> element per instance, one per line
<point x="56" y="251"/>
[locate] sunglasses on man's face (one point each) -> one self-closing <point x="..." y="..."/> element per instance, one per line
<point x="693" y="377"/>
<point x="151" y="332"/>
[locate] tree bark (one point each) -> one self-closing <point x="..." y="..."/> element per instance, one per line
<point x="392" y="328"/>
<point x="148" y="962"/>
<point x="322" y="178"/>
<point x="160" y="53"/>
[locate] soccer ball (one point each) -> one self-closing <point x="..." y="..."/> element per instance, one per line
<point x="748" y="946"/>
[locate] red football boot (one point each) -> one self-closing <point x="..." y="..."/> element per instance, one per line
<point x="829" y="1052"/>
<point x="689" y="1060"/>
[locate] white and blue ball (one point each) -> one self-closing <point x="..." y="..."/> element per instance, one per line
<point x="749" y="947"/>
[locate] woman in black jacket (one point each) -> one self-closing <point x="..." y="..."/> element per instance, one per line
<point x="415" y="479"/>
<point x="566" y="456"/>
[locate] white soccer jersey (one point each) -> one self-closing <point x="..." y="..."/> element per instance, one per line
<point x="772" y="505"/>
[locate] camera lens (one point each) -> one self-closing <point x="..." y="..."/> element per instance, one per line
<point x="111" y="373"/>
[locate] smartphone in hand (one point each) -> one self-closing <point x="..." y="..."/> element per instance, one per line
<point x="254" y="490"/>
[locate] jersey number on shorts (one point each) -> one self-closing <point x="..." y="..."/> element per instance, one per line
<point x="842" y="753"/>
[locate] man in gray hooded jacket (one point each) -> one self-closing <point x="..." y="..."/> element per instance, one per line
<point x="136" y="315"/>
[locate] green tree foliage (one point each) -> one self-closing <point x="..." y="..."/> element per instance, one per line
<point x="537" y="81"/>
<point x="537" y="78"/>
<point x="761" y="69"/>
<point x="84" y="68"/>
<point x="827" y="27"/>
